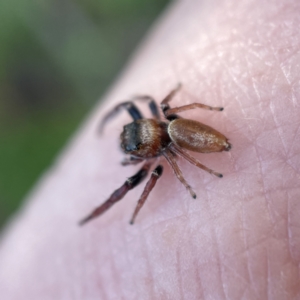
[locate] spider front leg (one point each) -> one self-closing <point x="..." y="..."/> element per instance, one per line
<point x="151" y="102"/>
<point x="129" y="106"/>
<point x="118" y="194"/>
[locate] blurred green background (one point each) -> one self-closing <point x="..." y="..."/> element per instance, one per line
<point x="56" y="59"/>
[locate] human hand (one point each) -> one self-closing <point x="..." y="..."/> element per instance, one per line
<point x="240" y="238"/>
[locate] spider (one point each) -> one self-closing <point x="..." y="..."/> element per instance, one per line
<point x="147" y="139"/>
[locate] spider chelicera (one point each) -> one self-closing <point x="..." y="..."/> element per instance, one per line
<point x="147" y="139"/>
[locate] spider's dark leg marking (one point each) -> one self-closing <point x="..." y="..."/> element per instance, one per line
<point x="151" y="102"/>
<point x="118" y="194"/>
<point x="175" y="110"/>
<point x="165" y="103"/>
<point x="131" y="161"/>
<point x="129" y="106"/>
<point x="172" y="161"/>
<point x="193" y="160"/>
<point x="148" y="188"/>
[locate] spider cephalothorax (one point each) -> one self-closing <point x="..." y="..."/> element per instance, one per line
<point x="146" y="139"/>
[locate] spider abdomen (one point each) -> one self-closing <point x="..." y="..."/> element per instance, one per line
<point x="197" y="137"/>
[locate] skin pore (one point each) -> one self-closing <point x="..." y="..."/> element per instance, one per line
<point x="240" y="239"/>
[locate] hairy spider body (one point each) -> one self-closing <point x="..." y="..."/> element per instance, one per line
<point x="145" y="139"/>
<point x="148" y="138"/>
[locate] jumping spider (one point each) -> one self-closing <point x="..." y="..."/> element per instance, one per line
<point x="146" y="139"/>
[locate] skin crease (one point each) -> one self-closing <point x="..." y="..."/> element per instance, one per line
<point x="240" y="239"/>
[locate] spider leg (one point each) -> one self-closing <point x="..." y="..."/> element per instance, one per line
<point x="129" y="106"/>
<point x="175" y="110"/>
<point x="118" y="194"/>
<point x="170" y="96"/>
<point x="165" y="103"/>
<point x="193" y="160"/>
<point x="151" y="102"/>
<point x="131" y="160"/>
<point x="148" y="188"/>
<point x="172" y="161"/>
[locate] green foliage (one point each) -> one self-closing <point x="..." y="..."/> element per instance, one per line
<point x="26" y="150"/>
<point x="56" y="59"/>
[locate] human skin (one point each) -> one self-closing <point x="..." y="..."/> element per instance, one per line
<point x="240" y="239"/>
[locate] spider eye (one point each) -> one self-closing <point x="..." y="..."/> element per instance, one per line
<point x="130" y="148"/>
